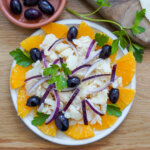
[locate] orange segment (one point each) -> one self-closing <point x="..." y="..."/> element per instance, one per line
<point x="85" y="30"/>
<point x="49" y="129"/>
<point x="18" y="76"/>
<point x="125" y="97"/>
<point x="113" y="57"/>
<point x="107" y="121"/>
<point x="32" y="42"/>
<point x="59" y="30"/>
<point x="22" y="97"/>
<point x="80" y="131"/>
<point x="126" y="67"/>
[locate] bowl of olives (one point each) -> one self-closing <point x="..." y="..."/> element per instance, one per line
<point x="32" y="13"/>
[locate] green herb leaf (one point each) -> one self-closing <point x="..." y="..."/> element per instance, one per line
<point x="101" y="39"/>
<point x="113" y="110"/>
<point x="61" y="82"/>
<point x="136" y="29"/>
<point x="103" y="3"/>
<point x="21" y="57"/>
<point x="51" y="70"/>
<point x="115" y="46"/>
<point x="123" y="42"/>
<point x="39" y="119"/>
<point x="65" y="69"/>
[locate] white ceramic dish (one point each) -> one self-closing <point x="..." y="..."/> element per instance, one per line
<point x="61" y="138"/>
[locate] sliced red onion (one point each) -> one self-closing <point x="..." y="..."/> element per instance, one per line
<point x="92" y="57"/>
<point x="68" y="89"/>
<point x="113" y="73"/>
<point x="94" y="109"/>
<point x="50" y="87"/>
<point x="33" y="77"/>
<point x="92" y="68"/>
<point x="85" y="120"/>
<point x="56" y="61"/>
<point x="44" y="58"/>
<point x="71" y="99"/>
<point x="90" y="49"/>
<point x="43" y="79"/>
<point x="72" y="46"/>
<point x="95" y="76"/>
<point x="61" y="60"/>
<point x="80" y="67"/>
<point x="56" y="110"/>
<point x="54" y="44"/>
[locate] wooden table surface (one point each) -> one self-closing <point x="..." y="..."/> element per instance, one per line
<point x="133" y="133"/>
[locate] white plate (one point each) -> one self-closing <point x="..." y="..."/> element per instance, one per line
<point x="61" y="138"/>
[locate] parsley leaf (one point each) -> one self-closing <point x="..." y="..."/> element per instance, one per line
<point x="65" y="69"/>
<point x="39" y="119"/>
<point x="136" y="29"/>
<point x="103" y="3"/>
<point x="51" y="70"/>
<point x="101" y="39"/>
<point x="123" y="42"/>
<point x="115" y="46"/>
<point x="113" y="110"/>
<point x="21" y="57"/>
<point x="61" y="82"/>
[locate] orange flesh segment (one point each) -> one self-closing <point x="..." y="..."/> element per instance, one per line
<point x="80" y="131"/>
<point x="85" y="30"/>
<point x="22" y="97"/>
<point x="18" y="76"/>
<point x="49" y="129"/>
<point x="32" y="42"/>
<point x="126" y="67"/>
<point x="59" y="30"/>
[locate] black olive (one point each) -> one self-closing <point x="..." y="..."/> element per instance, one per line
<point x="15" y="6"/>
<point x="61" y="122"/>
<point x="35" y="54"/>
<point x="106" y="52"/>
<point x="32" y="14"/>
<point x="33" y="101"/>
<point x="30" y="2"/>
<point x="114" y="95"/>
<point x="73" y="81"/>
<point x="72" y="33"/>
<point x="46" y="7"/>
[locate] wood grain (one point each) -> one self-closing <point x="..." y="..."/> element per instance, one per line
<point x="133" y="133"/>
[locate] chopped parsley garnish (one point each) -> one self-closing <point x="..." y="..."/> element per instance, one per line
<point x="101" y="39"/>
<point x="113" y="110"/>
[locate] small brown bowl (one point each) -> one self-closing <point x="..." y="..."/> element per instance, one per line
<point x="22" y="22"/>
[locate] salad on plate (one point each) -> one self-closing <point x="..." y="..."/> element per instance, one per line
<point x="69" y="80"/>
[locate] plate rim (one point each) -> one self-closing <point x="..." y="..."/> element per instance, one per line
<point x="72" y="141"/>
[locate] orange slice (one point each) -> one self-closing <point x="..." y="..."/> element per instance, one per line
<point x="126" y="67"/>
<point x="22" y="97"/>
<point x="80" y="131"/>
<point x="18" y="76"/>
<point x="107" y="121"/>
<point x="85" y="30"/>
<point x="32" y="42"/>
<point x="49" y="129"/>
<point x="59" y="30"/>
<point x="113" y="58"/>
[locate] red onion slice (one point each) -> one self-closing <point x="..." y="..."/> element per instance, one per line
<point x="80" y="67"/>
<point x="90" y="49"/>
<point x="68" y="89"/>
<point x="44" y="58"/>
<point x="94" y="109"/>
<point x="95" y="76"/>
<point x="55" y="43"/>
<point x="92" y="57"/>
<point x="50" y="87"/>
<point x="85" y="120"/>
<point x="56" y="110"/>
<point x="43" y="79"/>
<point x="113" y="73"/>
<point x="33" y="77"/>
<point x="71" y="99"/>
<point x="56" y="61"/>
<point x="92" y="67"/>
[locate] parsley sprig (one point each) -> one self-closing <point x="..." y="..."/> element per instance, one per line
<point x="56" y="74"/>
<point x="122" y="34"/>
<point x="21" y="57"/>
<point x="113" y="110"/>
